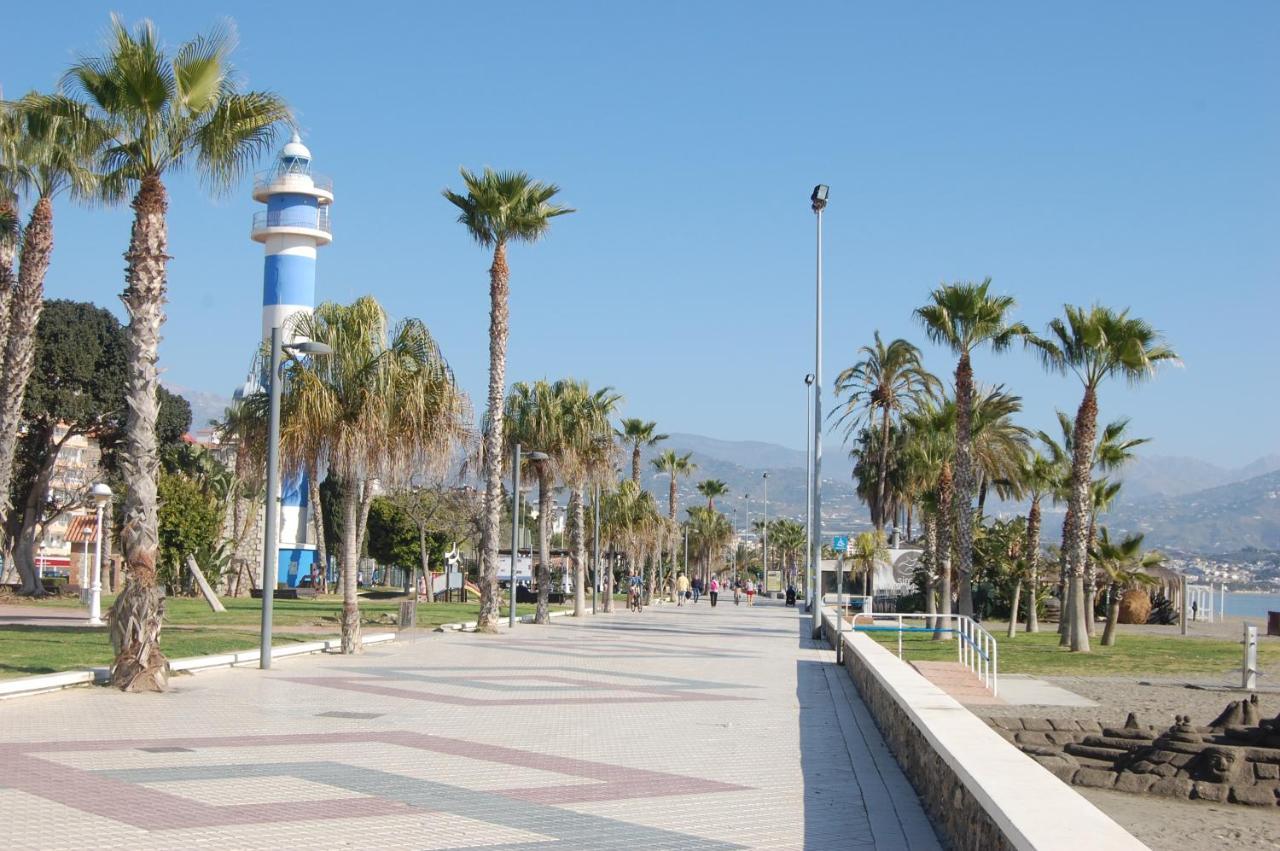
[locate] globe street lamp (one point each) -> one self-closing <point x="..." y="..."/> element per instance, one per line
<point x="818" y="203"/>
<point x="100" y="495"/>
<point x="271" y="533"/>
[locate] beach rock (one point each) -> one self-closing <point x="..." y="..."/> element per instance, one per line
<point x="1174" y="787"/>
<point x="1206" y="791"/>
<point x="1095" y="778"/>
<point x="1266" y="771"/>
<point x="1027" y="738"/>
<point x="1037" y="725"/>
<point x="1257" y="796"/>
<point x="1138" y="783"/>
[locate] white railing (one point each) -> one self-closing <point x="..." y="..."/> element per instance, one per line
<point x="976" y="648"/>
<point x="312" y="219"/>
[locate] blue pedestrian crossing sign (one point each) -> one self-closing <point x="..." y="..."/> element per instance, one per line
<point x="840" y="543"/>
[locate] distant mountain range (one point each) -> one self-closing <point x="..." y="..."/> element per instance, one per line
<point x="1222" y="519"/>
<point x="1179" y="502"/>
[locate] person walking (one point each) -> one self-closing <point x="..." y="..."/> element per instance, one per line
<point x="682" y="589"/>
<point x="697" y="588"/>
<point x="751" y="593"/>
<point x="737" y="591"/>
<point x="715" y="591"/>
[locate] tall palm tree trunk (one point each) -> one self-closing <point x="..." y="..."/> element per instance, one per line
<point x="883" y="471"/>
<point x="607" y="570"/>
<point x="1077" y="547"/>
<point x="635" y="463"/>
<point x="943" y="554"/>
<point x="578" y="542"/>
<point x="138" y="612"/>
<point x="25" y="302"/>
<point x="499" y="317"/>
<point x="350" y="572"/>
<point x="1013" y="609"/>
<point x="1113" y="616"/>
<point x="930" y="558"/>
<point x="317" y="519"/>
<point x="1033" y="559"/>
<point x="1090" y="580"/>
<point x="543" y="612"/>
<point x="963" y="501"/>
<point x="8" y="252"/>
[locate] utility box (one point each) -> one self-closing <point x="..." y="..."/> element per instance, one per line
<point x="408" y="614"/>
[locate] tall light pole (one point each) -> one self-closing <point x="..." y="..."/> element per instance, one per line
<point x="765" y="536"/>
<point x="271" y="532"/>
<point x="818" y="203"/>
<point x="101" y="495"/>
<point x="808" y="492"/>
<point x="516" y="519"/>
<point x="595" y="563"/>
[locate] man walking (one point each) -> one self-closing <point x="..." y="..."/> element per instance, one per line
<point x="697" y="588"/>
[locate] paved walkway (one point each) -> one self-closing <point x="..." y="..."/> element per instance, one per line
<point x="678" y="728"/>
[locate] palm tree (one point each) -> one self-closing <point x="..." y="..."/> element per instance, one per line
<point x="709" y="534"/>
<point x="1095" y="343"/>
<point x="963" y="317"/>
<point x="1126" y="567"/>
<point x="931" y="446"/>
<point x="865" y="551"/>
<point x="156" y="113"/>
<point x="712" y="489"/>
<point x="382" y="408"/>
<point x="1040" y="476"/>
<point x="638" y="433"/>
<point x="1000" y="446"/>
<point x="46" y="148"/>
<point x="587" y="457"/>
<point x="885" y="382"/>
<point x="535" y="418"/>
<point x="499" y="207"/>
<point x="674" y="465"/>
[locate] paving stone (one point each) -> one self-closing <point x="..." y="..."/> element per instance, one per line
<point x="677" y="728"/>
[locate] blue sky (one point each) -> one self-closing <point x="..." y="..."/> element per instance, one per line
<point x="1126" y="153"/>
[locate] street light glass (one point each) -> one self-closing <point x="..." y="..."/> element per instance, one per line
<point x="820" y="193"/>
<point x="808" y="379"/>
<point x="308" y="347"/>
<point x="537" y="456"/>
<point x="100" y="494"/>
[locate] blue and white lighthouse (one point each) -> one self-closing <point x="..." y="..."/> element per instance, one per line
<point x="294" y="225"/>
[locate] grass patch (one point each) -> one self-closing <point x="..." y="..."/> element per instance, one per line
<point x="193" y="629"/>
<point x="1153" y="655"/>
<point x="29" y="650"/>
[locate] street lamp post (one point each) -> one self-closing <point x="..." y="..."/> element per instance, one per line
<point x="808" y="493"/>
<point x="515" y="530"/>
<point x="595" y="561"/>
<point x="764" y="574"/>
<point x="271" y="531"/>
<point x="818" y="203"/>
<point x="101" y="495"/>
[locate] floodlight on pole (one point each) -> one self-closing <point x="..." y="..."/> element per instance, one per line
<point x="818" y="203"/>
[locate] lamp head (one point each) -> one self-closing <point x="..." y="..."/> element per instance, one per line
<point x="308" y="347"/>
<point x="100" y="494"/>
<point x="819" y="196"/>
<point x="537" y="456"/>
<point x="808" y="379"/>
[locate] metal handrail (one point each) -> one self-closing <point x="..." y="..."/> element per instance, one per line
<point x="272" y="177"/>
<point x="314" y="219"/>
<point x="976" y="650"/>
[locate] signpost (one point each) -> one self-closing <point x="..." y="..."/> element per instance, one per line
<point x="840" y="543"/>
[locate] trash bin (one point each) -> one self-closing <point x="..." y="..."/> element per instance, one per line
<point x="1273" y="623"/>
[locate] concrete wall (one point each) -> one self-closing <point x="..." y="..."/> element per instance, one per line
<point x="980" y="792"/>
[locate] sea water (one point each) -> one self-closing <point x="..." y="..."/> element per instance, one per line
<point x="1252" y="605"/>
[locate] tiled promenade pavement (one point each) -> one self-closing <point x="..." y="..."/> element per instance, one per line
<point x="677" y="728"/>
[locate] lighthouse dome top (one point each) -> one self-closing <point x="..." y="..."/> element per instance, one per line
<point x="295" y="150"/>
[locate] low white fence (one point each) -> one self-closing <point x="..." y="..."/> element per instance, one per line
<point x="976" y="649"/>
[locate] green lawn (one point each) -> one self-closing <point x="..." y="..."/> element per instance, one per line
<point x="1153" y="655"/>
<point x="375" y="608"/>
<point x="28" y="650"/>
<point x="193" y="629"/>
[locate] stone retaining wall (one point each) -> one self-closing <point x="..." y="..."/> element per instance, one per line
<point x="981" y="792"/>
